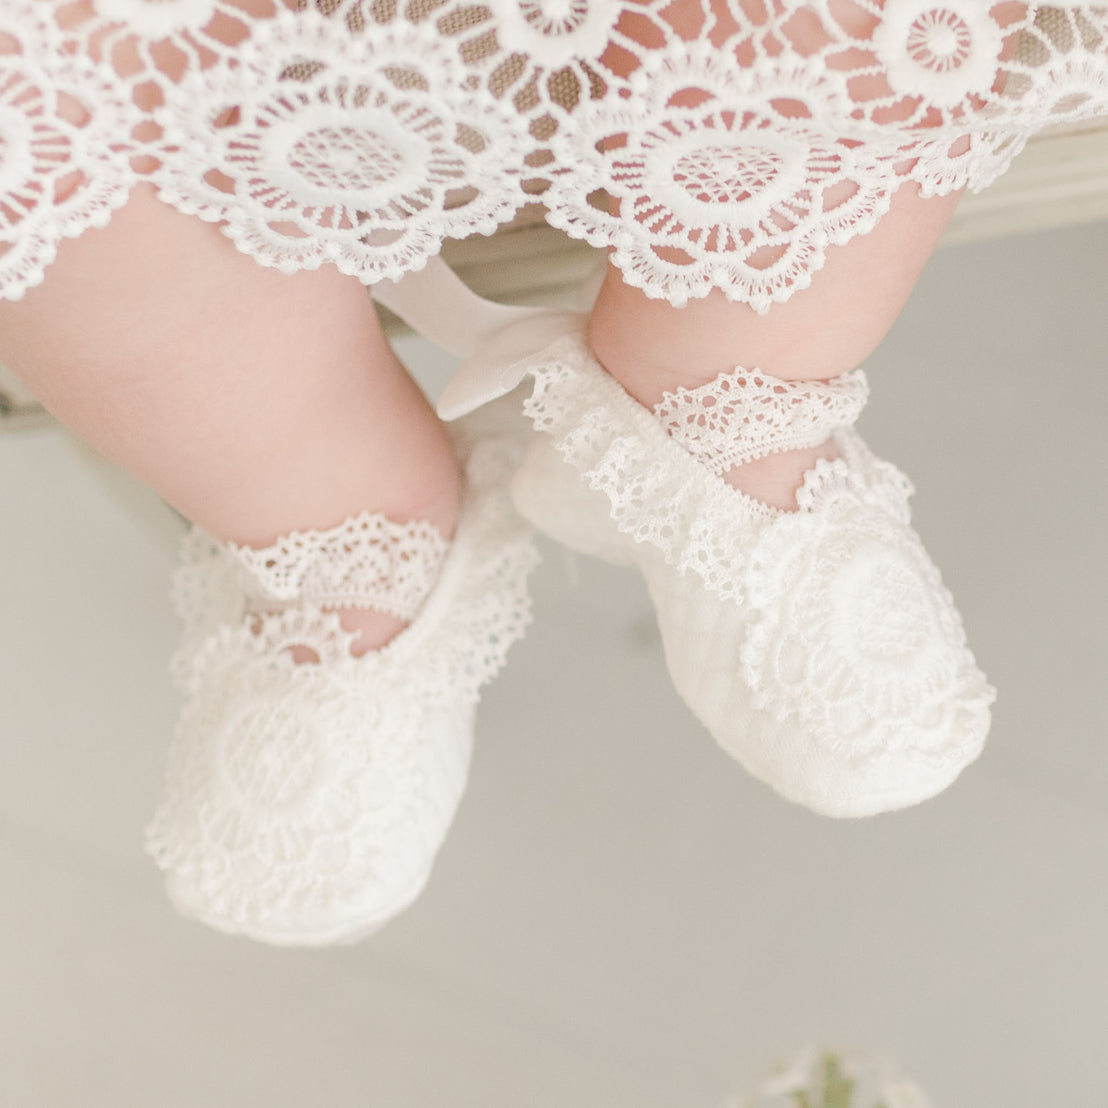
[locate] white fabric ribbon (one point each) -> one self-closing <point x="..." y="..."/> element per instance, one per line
<point x="496" y="340"/>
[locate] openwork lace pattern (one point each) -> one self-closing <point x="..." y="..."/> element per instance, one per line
<point x="706" y="145"/>
<point x="747" y="414"/>
<point x="305" y="797"/>
<point x="368" y="561"/>
<point x="853" y="634"/>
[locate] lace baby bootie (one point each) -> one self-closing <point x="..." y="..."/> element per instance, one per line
<point x="305" y="801"/>
<point x="819" y="646"/>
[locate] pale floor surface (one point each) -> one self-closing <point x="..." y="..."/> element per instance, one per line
<point x="620" y="918"/>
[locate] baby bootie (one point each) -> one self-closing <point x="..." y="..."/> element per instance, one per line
<point x="305" y="801"/>
<point x="818" y="646"/>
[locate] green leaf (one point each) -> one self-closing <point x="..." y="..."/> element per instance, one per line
<point x="838" y="1089"/>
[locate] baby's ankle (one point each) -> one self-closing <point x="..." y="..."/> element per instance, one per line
<point x="775" y="478"/>
<point x="761" y="433"/>
<point x="374" y="629"/>
<point x="371" y="571"/>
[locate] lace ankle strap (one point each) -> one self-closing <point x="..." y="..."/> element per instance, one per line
<point x="746" y="414"/>
<point x="368" y="561"/>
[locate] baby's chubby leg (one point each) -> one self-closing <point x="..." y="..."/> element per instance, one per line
<point x="817" y="334"/>
<point x="255" y="403"/>
<point x="829" y="328"/>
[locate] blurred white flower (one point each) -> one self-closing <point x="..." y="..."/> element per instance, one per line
<point x="828" y="1079"/>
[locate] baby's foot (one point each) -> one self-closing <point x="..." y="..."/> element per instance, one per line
<point x="305" y="803"/>
<point x="818" y="646"/>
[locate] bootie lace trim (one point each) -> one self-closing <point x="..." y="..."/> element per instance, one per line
<point x="747" y="414"/>
<point x="368" y="561"/>
<point x="658" y="493"/>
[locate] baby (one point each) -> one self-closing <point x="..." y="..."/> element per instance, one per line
<point x="774" y="182"/>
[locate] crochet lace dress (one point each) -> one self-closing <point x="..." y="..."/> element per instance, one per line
<point x="688" y="136"/>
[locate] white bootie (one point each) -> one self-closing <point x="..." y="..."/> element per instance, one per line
<point x="305" y="802"/>
<point x="818" y="646"/>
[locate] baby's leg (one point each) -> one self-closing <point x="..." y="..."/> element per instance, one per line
<point x="256" y="403"/>
<point x="651" y="347"/>
<point x="819" y="333"/>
